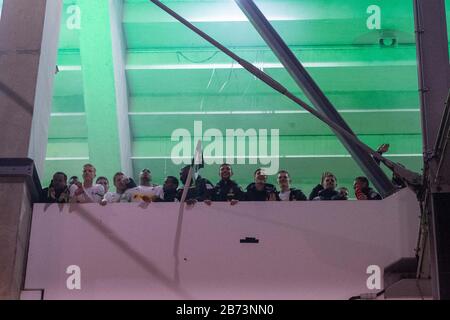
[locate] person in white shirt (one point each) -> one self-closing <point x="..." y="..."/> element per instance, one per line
<point x="145" y="178"/>
<point x="88" y="191"/>
<point x="146" y="191"/>
<point x="104" y="182"/>
<point x="121" y="182"/>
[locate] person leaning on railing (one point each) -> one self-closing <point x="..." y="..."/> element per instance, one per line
<point x="287" y="193"/>
<point x="315" y="191"/>
<point x="87" y="191"/>
<point x="57" y="191"/>
<point x="169" y="190"/>
<point x="227" y="189"/>
<point x="199" y="190"/>
<point x="122" y="184"/>
<point x="260" y="190"/>
<point x="363" y="191"/>
<point x="329" y="191"/>
<point x="104" y="182"/>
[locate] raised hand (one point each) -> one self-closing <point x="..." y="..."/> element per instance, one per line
<point x="383" y="148"/>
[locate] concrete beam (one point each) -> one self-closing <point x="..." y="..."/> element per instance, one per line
<point x="43" y="99"/>
<point x="119" y="58"/>
<point x="27" y="64"/>
<point x="104" y="84"/>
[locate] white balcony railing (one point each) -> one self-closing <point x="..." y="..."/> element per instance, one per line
<point x="306" y="250"/>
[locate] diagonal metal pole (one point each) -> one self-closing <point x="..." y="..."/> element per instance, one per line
<point x="314" y="94"/>
<point x="191" y="176"/>
<point x="413" y="179"/>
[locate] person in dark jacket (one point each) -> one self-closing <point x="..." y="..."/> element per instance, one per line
<point x="363" y="191"/>
<point x="199" y="190"/>
<point x="343" y="193"/>
<point x="329" y="189"/>
<point x="287" y="193"/>
<point x="227" y="189"/>
<point x="57" y="191"/>
<point x="315" y="191"/>
<point x="169" y="189"/>
<point x="260" y="190"/>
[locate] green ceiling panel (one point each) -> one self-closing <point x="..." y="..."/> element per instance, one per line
<point x="324" y="22"/>
<point x="67" y="148"/>
<point x="68" y="83"/>
<point x="292" y="145"/>
<point x="362" y="100"/>
<point x="68" y="104"/>
<point x="288" y="124"/>
<point x="236" y="81"/>
<point x="343" y="56"/>
<point x="69" y="57"/>
<point x="68" y="126"/>
<point x="332" y="33"/>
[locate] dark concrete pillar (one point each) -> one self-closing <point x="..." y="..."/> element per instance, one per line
<point x="28" y="47"/>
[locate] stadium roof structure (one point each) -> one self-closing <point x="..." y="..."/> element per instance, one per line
<point x="362" y="55"/>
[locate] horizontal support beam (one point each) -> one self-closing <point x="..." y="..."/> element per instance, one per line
<point x="289" y="145"/>
<point x="203" y="81"/>
<point x="338" y="55"/>
<point x="144" y="125"/>
<point x="293" y="145"/>
<point x="288" y="156"/>
<point x="168" y="81"/>
<point x="170" y="35"/>
<point x="147" y="125"/>
<point x="269" y="101"/>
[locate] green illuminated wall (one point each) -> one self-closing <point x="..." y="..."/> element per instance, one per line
<point x="175" y="78"/>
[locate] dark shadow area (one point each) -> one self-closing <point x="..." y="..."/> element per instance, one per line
<point x="129" y="251"/>
<point x="16" y="98"/>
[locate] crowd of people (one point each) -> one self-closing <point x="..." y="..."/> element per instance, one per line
<point x="98" y="190"/>
<point x="62" y="190"/>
